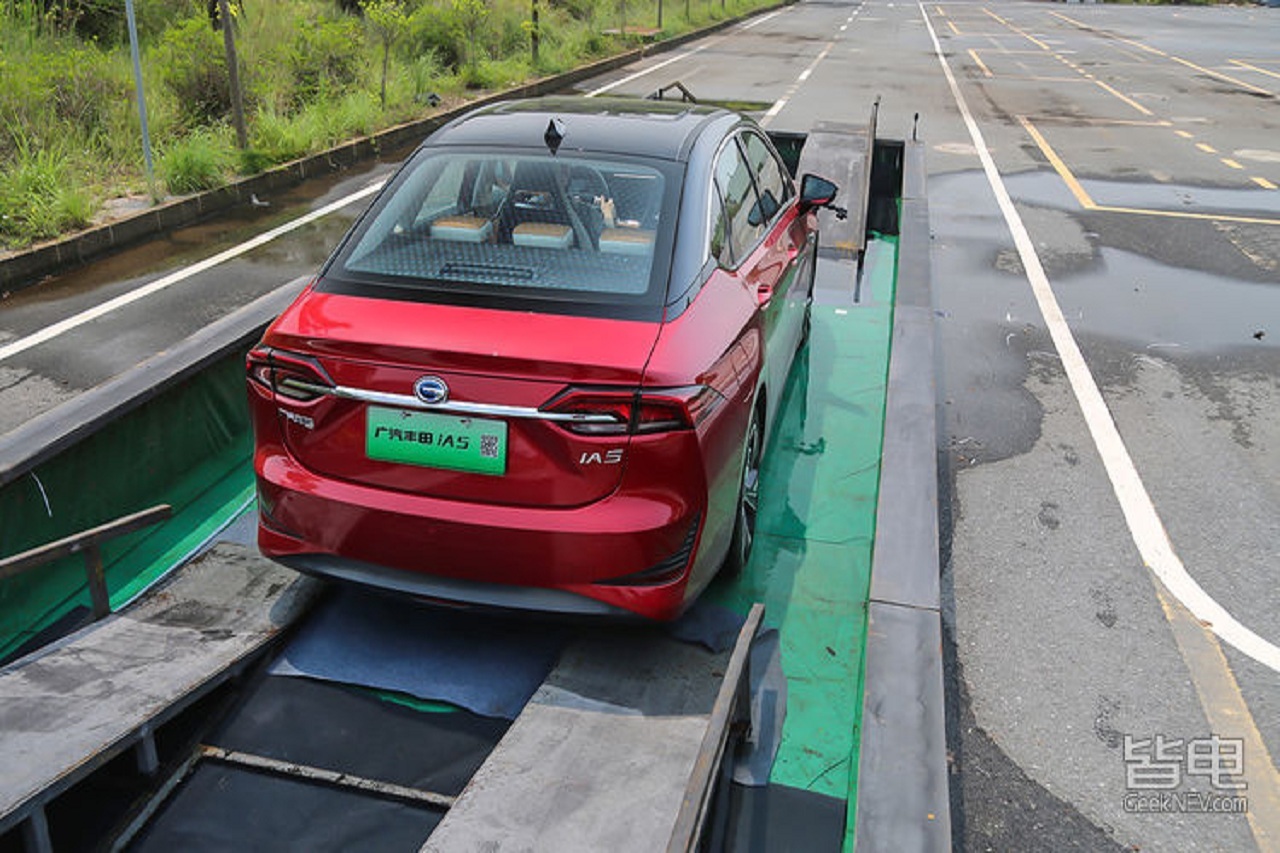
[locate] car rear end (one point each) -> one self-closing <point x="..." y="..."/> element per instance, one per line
<point x="457" y="407"/>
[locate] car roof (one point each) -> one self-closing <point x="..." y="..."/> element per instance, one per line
<point x="662" y="129"/>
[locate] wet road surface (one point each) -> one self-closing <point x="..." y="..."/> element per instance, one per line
<point x="1138" y="147"/>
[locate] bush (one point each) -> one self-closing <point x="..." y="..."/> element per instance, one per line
<point x="434" y="31"/>
<point x="326" y="59"/>
<point x="193" y="67"/>
<point x="196" y="163"/>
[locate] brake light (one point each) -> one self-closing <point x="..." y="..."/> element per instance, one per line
<point x="287" y="374"/>
<point x="606" y="412"/>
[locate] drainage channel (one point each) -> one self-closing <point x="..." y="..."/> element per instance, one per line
<point x="638" y="720"/>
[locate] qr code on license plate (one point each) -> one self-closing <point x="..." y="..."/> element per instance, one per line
<point x="489" y="446"/>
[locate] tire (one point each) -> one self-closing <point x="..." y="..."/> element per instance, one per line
<point x="744" y="523"/>
<point x="807" y="324"/>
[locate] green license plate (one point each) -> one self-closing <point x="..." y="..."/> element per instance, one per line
<point x="436" y="441"/>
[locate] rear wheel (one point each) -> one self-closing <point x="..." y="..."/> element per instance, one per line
<point x="806" y="325"/>
<point x="744" y="525"/>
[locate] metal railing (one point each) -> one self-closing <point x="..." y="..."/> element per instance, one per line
<point x="89" y="543"/>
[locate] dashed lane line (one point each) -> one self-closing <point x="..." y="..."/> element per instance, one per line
<point x="1156" y="51"/>
<point x="1086" y="201"/>
<point x="795" y="87"/>
<point x="685" y="55"/>
<point x="1255" y="68"/>
<point x="986" y="72"/>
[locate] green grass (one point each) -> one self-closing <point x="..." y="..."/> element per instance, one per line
<point x="194" y="163"/>
<point x="311" y="78"/>
<point x="40" y="196"/>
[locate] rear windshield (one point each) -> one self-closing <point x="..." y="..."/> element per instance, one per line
<point x="517" y="229"/>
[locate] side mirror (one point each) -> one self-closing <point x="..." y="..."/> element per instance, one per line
<point x="816" y="192"/>
<point x="819" y="192"/>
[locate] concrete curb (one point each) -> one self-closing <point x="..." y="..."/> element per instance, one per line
<point x="25" y="268"/>
<point x="903" y="797"/>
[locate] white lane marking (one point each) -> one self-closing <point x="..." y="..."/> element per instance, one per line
<point x="1140" y="514"/>
<point x="91" y="314"/>
<point x="761" y="20"/>
<point x="790" y="93"/>
<point x="664" y="63"/>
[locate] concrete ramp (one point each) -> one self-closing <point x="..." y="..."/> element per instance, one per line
<point x="73" y="706"/>
<point x="841" y="153"/>
<point x="616" y="751"/>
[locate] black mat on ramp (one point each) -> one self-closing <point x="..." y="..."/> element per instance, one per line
<point x="221" y="808"/>
<point x="328" y="725"/>
<point x="224" y="807"/>
<point x="781" y="819"/>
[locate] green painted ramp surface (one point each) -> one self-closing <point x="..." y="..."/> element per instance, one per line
<point x="812" y="560"/>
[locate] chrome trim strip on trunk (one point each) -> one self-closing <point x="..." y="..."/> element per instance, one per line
<point x="407" y="401"/>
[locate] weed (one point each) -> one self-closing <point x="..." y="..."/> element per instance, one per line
<point x="198" y="162"/>
<point x="39" y="198"/>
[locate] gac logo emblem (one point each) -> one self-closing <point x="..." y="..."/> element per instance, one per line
<point x="609" y="457"/>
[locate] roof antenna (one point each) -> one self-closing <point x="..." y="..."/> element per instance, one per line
<point x="554" y="135"/>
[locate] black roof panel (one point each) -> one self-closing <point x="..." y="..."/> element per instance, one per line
<point x="663" y="129"/>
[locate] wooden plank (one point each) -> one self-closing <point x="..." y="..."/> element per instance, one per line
<point x="70" y="707"/>
<point x="601" y="756"/>
<point x="838" y="152"/>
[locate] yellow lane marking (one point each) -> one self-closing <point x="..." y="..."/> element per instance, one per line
<point x="1058" y="166"/>
<point x="1229" y="716"/>
<point x="1231" y="163"/>
<point x="985" y="70"/>
<point x="1263" y="182"/>
<point x="1178" y="214"/>
<point x="1130" y="101"/>
<point x="1185" y="135"/>
<point x="1206" y="148"/>
<point x="1101" y="122"/>
<point x="1022" y="33"/>
<point x="1242" y="84"/>
<point x="1255" y="68"/>
<point x="1086" y="201"/>
<point x="954" y="29"/>
<point x="941" y="11"/>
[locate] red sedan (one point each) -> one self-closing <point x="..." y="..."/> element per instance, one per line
<point x="540" y="371"/>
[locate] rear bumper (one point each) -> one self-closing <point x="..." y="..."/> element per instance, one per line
<point x="529" y="558"/>
<point x="451" y="590"/>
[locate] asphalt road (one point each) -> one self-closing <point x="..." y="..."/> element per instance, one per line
<point x="1133" y="432"/>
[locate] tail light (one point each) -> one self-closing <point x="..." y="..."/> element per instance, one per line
<point x="287" y="374"/>
<point x="635" y="412"/>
